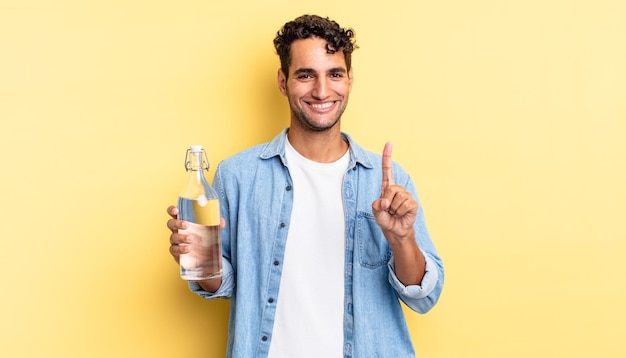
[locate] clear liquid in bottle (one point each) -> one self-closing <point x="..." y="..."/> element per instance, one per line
<point x="204" y="260"/>
<point x="199" y="206"/>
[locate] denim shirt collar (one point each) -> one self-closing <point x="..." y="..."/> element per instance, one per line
<point x="277" y="148"/>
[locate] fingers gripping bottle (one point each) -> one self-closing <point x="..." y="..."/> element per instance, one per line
<point x="198" y="204"/>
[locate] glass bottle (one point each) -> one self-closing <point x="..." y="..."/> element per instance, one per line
<point x="198" y="204"/>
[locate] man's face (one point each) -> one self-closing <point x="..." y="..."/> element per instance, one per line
<point x="318" y="86"/>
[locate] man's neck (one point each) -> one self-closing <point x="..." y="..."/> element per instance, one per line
<point x="323" y="147"/>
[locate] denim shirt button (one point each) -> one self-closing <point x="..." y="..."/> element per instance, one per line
<point x="288" y="188"/>
<point x="264" y="338"/>
<point x="276" y="263"/>
<point x="348" y="349"/>
<point x="270" y="300"/>
<point x="283" y="224"/>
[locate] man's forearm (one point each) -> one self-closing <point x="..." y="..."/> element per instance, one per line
<point x="409" y="261"/>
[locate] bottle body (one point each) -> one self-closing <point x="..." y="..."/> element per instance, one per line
<point x="204" y="260"/>
<point x="199" y="206"/>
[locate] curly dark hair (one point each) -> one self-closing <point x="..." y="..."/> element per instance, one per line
<point x="307" y="26"/>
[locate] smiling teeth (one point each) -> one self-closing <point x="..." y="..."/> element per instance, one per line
<point x="322" y="105"/>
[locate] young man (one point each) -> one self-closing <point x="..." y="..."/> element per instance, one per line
<point x="322" y="238"/>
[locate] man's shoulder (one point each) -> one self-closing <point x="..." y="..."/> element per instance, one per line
<point x="256" y="153"/>
<point x="370" y="159"/>
<point x="247" y="155"/>
<point x="247" y="159"/>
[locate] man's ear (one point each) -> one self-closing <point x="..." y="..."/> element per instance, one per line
<point x="282" y="82"/>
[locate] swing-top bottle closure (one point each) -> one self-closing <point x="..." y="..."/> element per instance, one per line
<point x="204" y="161"/>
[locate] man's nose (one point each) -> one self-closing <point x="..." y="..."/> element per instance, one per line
<point x="321" y="88"/>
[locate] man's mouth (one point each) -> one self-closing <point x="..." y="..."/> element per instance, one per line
<point x="321" y="106"/>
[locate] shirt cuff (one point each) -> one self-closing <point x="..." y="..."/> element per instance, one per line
<point x="225" y="289"/>
<point x="429" y="281"/>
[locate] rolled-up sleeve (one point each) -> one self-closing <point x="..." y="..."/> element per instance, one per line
<point x="422" y="297"/>
<point x="226" y="288"/>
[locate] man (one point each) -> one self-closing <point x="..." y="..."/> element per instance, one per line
<point x="322" y="239"/>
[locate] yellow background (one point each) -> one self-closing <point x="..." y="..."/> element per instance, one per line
<point x="510" y="115"/>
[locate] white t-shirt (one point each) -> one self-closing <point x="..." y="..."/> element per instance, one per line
<point x="310" y="304"/>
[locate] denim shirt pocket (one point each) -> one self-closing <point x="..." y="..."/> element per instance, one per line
<point x="374" y="251"/>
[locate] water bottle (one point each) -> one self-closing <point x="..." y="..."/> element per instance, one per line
<point x="199" y="206"/>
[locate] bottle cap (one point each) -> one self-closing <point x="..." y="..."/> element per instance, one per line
<point x="196" y="148"/>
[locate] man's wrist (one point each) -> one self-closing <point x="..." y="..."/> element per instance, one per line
<point x="211" y="285"/>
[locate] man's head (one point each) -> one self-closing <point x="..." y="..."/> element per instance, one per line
<point x="308" y="26"/>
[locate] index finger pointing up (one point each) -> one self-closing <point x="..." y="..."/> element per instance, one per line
<point x="387" y="173"/>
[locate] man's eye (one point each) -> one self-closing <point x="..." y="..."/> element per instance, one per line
<point x="336" y="75"/>
<point x="304" y="76"/>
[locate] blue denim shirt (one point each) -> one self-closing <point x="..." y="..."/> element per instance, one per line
<point x="256" y="197"/>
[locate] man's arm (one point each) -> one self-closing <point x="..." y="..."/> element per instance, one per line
<point x="395" y="212"/>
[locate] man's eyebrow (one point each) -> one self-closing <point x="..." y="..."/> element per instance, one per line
<point x="337" y="70"/>
<point x="303" y="70"/>
<point x="312" y="71"/>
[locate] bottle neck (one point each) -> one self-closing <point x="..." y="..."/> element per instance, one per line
<point x="196" y="162"/>
<point x="196" y="165"/>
